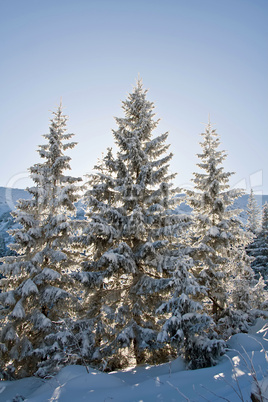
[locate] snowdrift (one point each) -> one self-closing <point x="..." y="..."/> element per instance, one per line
<point x="231" y="379"/>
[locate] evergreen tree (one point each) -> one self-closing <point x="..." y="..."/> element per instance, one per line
<point x="131" y="244"/>
<point x="3" y="248"/>
<point x="247" y="299"/>
<point x="253" y="212"/>
<point x="218" y="238"/>
<point x="39" y="296"/>
<point x="259" y="248"/>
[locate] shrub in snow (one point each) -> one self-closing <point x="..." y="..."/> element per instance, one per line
<point x="259" y="392"/>
<point x="187" y="328"/>
<point x="37" y="287"/>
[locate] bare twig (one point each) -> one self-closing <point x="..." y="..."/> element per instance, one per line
<point x="177" y="389"/>
<point x="213" y="393"/>
<point x="239" y="392"/>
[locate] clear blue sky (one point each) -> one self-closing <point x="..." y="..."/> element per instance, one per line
<point x="195" y="57"/>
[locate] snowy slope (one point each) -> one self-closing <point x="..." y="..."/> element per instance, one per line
<point x="231" y="379"/>
<point x="9" y="197"/>
<point x="8" y="200"/>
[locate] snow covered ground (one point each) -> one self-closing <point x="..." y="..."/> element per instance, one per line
<point x="231" y="380"/>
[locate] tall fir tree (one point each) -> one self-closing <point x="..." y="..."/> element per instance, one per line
<point x="259" y="248"/>
<point x="132" y="246"/>
<point x="3" y="248"/>
<point x="253" y="214"/>
<point x="217" y="237"/>
<point x="38" y="293"/>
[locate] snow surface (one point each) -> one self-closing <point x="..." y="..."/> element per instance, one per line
<point x="164" y="383"/>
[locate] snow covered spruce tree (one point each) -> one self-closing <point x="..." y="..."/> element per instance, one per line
<point x="38" y="294"/>
<point x="259" y="248"/>
<point x="131" y="245"/>
<point x="218" y="238"/>
<point x="253" y="213"/>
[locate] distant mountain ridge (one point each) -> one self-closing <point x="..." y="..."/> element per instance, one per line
<point x="10" y="196"/>
<point x="8" y="200"/>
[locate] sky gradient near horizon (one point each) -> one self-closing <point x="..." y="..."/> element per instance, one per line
<point x="196" y="57"/>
